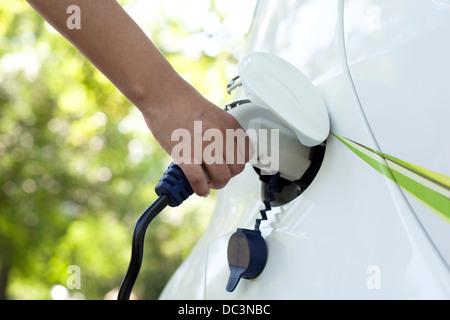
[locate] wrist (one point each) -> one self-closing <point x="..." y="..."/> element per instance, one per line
<point x="175" y="98"/>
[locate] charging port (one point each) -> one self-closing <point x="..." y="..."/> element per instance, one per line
<point x="289" y="190"/>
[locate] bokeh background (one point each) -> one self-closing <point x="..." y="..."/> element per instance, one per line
<point x="77" y="163"/>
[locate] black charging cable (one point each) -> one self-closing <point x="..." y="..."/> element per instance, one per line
<point x="172" y="189"/>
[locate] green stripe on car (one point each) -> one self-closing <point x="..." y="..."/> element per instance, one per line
<point x="429" y="187"/>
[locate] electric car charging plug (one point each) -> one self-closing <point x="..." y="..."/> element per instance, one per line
<point x="172" y="189"/>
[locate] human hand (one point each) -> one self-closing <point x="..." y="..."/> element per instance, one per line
<point x="137" y="68"/>
<point x="194" y="132"/>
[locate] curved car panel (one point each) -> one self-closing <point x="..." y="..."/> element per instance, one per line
<point x="401" y="72"/>
<point x="351" y="234"/>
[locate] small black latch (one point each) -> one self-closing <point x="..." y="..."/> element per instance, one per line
<point x="247" y="256"/>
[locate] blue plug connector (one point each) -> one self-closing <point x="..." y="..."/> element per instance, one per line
<point x="174" y="185"/>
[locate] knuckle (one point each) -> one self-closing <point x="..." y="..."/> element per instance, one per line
<point x="236" y="169"/>
<point x="195" y="179"/>
<point x="221" y="180"/>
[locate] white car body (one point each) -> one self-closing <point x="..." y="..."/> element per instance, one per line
<point x="383" y="70"/>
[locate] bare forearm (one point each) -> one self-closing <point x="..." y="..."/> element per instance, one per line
<point x="116" y="45"/>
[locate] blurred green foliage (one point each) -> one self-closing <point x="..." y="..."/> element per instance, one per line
<point x="78" y="165"/>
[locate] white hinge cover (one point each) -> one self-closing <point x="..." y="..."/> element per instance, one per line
<point x="275" y="84"/>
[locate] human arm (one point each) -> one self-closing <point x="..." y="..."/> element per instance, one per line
<point x="116" y="45"/>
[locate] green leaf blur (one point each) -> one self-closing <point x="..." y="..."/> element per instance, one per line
<point x="78" y="165"/>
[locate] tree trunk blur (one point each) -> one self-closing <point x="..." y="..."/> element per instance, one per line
<point x="4" y="268"/>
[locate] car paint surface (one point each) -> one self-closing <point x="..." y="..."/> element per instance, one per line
<point x="382" y="69"/>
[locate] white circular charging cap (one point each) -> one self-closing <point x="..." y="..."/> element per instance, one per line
<point x="275" y="84"/>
